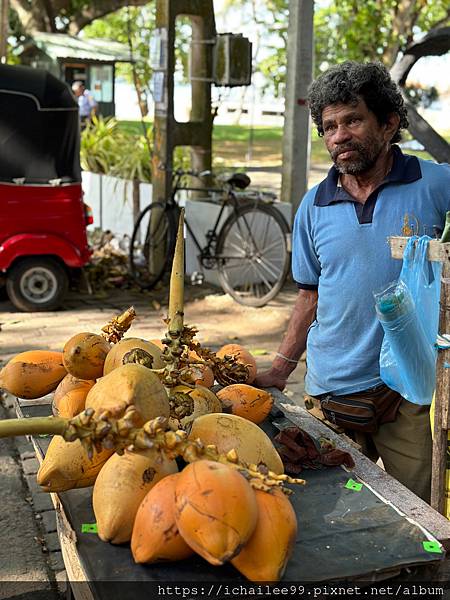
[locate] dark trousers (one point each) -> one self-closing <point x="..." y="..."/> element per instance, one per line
<point x="404" y="446"/>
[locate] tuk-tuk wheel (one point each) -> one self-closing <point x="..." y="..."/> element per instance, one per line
<point x="37" y="284"/>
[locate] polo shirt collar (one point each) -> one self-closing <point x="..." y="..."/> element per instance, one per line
<point x="405" y="169"/>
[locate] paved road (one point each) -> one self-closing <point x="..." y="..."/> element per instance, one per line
<point x="28" y="541"/>
<point x="218" y="318"/>
<point x="25" y="568"/>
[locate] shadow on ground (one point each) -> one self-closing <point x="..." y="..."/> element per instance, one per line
<point x="218" y="318"/>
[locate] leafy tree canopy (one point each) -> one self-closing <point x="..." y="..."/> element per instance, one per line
<point x="343" y="30"/>
<point x="374" y="29"/>
<point x="64" y="16"/>
<point x="132" y="26"/>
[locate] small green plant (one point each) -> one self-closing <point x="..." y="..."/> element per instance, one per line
<point x="109" y="150"/>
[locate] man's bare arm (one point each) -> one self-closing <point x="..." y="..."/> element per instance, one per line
<point x="294" y="341"/>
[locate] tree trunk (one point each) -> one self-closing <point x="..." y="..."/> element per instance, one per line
<point x="422" y="131"/>
<point x="300" y="57"/>
<point x="42" y="15"/>
<point x="4" y="27"/>
<point x="32" y="16"/>
<point x="403" y="21"/>
<point x="435" y="43"/>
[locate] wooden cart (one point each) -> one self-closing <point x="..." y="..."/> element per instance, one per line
<point x="441" y="253"/>
<point x="383" y="494"/>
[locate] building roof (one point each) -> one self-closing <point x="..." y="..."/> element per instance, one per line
<point x="62" y="45"/>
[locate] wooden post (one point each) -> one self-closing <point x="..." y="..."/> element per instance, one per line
<point x="136" y="200"/>
<point x="168" y="132"/>
<point x="441" y="253"/>
<point x="4" y="29"/>
<point x="441" y="415"/>
<point x="296" y="131"/>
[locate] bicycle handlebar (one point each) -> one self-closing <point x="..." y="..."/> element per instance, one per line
<point x="248" y="193"/>
<point x="181" y="172"/>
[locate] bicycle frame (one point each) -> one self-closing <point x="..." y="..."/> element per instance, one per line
<point x="248" y="243"/>
<point x="207" y="255"/>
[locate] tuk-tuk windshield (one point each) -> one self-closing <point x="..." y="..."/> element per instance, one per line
<point x="39" y="128"/>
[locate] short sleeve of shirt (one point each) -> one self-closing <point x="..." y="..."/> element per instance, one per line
<point x="92" y="101"/>
<point x="305" y="263"/>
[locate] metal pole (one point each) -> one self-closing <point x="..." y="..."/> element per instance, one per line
<point x="296" y="136"/>
<point x="4" y="29"/>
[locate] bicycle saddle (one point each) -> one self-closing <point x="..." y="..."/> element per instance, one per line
<point x="239" y="180"/>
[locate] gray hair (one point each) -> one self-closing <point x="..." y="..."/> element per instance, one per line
<point x="76" y="85"/>
<point x="349" y="81"/>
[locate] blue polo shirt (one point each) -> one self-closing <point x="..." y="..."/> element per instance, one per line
<point x="340" y="247"/>
<point x="86" y="102"/>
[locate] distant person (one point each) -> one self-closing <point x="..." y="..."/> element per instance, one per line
<point x="86" y="102"/>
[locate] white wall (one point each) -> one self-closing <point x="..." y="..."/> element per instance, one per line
<point x="202" y="217"/>
<point x="111" y="201"/>
<point x="112" y="205"/>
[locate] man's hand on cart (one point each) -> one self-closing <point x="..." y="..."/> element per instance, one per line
<point x="273" y="377"/>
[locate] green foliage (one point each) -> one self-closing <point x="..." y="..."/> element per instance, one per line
<point x="226" y="133"/>
<point x="240" y="133"/>
<point x="107" y="149"/>
<point x="273" y="63"/>
<point x="135" y="24"/>
<point x="347" y="30"/>
<point x="268" y="22"/>
<point x="98" y="145"/>
<point x="120" y="149"/>
<point x="372" y="30"/>
<point x="183" y="35"/>
<point x="343" y="30"/>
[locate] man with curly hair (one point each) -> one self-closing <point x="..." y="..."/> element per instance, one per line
<point x="341" y="256"/>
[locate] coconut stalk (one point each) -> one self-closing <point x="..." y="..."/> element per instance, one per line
<point x="121" y="434"/>
<point x="174" y="345"/>
<point x="33" y="426"/>
<point x="176" y="297"/>
<point x="114" y="331"/>
<point x="179" y="339"/>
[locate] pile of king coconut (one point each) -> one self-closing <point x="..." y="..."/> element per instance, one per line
<point x="125" y="408"/>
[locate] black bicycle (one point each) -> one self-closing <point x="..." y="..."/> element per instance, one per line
<point x="251" y="250"/>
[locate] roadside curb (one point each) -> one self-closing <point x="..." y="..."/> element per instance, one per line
<point x="42" y="507"/>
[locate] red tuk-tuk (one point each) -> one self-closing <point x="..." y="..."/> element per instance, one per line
<point x="42" y="214"/>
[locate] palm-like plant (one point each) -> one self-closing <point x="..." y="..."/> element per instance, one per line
<point x="108" y="150"/>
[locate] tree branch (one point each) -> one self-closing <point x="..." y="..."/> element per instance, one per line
<point x="435" y="43"/>
<point x="96" y="10"/>
<point x="422" y="131"/>
<point x="401" y="23"/>
<point x="442" y="21"/>
<point x="31" y="18"/>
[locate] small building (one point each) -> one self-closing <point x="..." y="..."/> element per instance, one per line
<point x="76" y="59"/>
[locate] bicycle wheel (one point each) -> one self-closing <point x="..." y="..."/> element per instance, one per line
<point x="152" y="244"/>
<point x="253" y="252"/>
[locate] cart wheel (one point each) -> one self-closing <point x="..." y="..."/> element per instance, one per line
<point x="37" y="284"/>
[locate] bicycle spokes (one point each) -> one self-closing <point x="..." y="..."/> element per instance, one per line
<point x="253" y="255"/>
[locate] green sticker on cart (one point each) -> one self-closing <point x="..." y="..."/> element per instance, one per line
<point x="353" y="485"/>
<point x="89" y="528"/>
<point x="430" y="546"/>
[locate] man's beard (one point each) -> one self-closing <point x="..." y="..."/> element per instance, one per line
<point x="367" y="156"/>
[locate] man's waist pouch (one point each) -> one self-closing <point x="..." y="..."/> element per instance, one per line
<point x="362" y="411"/>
